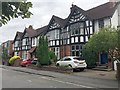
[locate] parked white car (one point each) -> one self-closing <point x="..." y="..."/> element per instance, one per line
<point x="72" y="61"/>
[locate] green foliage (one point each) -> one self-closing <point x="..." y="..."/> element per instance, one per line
<point x="52" y="56"/>
<point x="118" y="38"/>
<point x="14" y="10"/>
<point x="118" y="32"/>
<point x="42" y="51"/>
<point x="102" y="41"/>
<point x="12" y="59"/>
<point x="5" y="55"/>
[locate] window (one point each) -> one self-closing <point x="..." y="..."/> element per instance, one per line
<point x="91" y="30"/>
<point x="76" y="39"/>
<point x="76" y="50"/>
<point x="53" y="42"/>
<point x="77" y="53"/>
<point x="77" y="47"/>
<point x="81" y="31"/>
<point x="67" y="59"/>
<point x="76" y="29"/>
<point x="64" y="41"/>
<point x="57" y="42"/>
<point x="81" y="39"/>
<point x="24" y="42"/>
<point x="33" y="41"/>
<point x="16" y="43"/>
<point x="56" y="34"/>
<point x="50" y="43"/>
<point x="73" y="47"/>
<point x="61" y="42"/>
<point x="86" y="38"/>
<point x="72" y="40"/>
<point x="87" y="23"/>
<point x="90" y="22"/>
<point x="68" y="41"/>
<point x="101" y="23"/>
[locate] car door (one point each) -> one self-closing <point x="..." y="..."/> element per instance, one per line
<point x="66" y="61"/>
<point x="61" y="62"/>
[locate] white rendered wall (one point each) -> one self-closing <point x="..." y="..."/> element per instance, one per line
<point x="114" y="19"/>
<point x="96" y="26"/>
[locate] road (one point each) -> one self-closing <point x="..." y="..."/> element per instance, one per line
<point x="16" y="79"/>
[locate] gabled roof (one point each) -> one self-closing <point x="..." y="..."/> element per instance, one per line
<point x="73" y="9"/>
<point x="58" y="20"/>
<point x="102" y="11"/>
<point x="42" y="30"/>
<point x="18" y="34"/>
<point x="30" y="31"/>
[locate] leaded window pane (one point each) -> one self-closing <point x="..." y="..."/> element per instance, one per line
<point x="81" y="39"/>
<point x="91" y="30"/>
<point x="73" y="53"/>
<point x="57" y="42"/>
<point x="77" y="53"/>
<point x="86" y="38"/>
<point x="73" y="47"/>
<point x="77" y="47"/>
<point x="72" y="40"/>
<point x="76" y="39"/>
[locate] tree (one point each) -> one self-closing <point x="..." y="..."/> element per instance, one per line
<point x="103" y="41"/>
<point x="52" y="56"/>
<point x="5" y="55"/>
<point x="42" y="51"/>
<point x="14" y="10"/>
<point x="118" y="32"/>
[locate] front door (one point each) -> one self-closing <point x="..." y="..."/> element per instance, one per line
<point x="104" y="58"/>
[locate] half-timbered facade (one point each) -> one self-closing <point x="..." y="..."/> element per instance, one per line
<point x="53" y="34"/>
<point x="77" y="31"/>
<point x="17" y="44"/>
<point x="27" y="41"/>
<point x="67" y="37"/>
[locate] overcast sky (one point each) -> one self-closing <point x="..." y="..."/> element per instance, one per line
<point x="42" y="12"/>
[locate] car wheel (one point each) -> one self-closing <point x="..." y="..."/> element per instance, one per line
<point x="57" y="65"/>
<point x="70" y="66"/>
<point x="81" y="69"/>
<point x="74" y="70"/>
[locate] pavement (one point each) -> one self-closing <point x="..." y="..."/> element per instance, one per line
<point x="109" y="75"/>
<point x="97" y="74"/>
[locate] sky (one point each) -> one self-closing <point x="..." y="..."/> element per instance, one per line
<point x="42" y="12"/>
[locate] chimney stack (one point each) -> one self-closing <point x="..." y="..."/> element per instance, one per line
<point x="30" y="27"/>
<point x="113" y="3"/>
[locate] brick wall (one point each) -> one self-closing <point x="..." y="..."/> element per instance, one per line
<point x="64" y="51"/>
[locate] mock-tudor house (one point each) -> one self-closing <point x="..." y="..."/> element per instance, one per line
<point x="35" y="41"/>
<point x="54" y="28"/>
<point x="17" y="44"/>
<point x="27" y="42"/>
<point x="73" y="32"/>
<point x="67" y="37"/>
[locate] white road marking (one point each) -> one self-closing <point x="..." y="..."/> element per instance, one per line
<point x="29" y="81"/>
<point x="66" y="82"/>
<point x="5" y="69"/>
